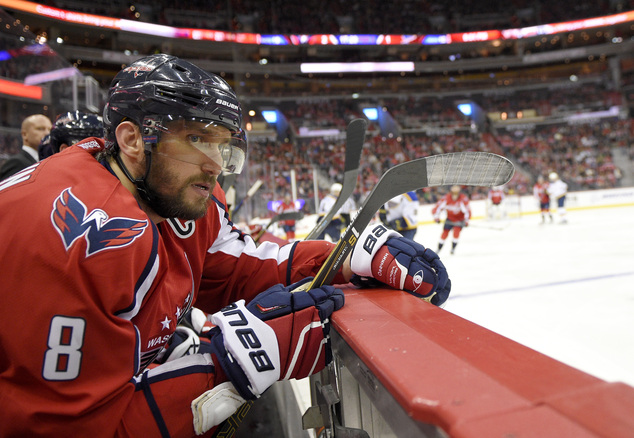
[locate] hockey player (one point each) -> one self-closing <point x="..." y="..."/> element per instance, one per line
<point x="557" y="190"/>
<point x="70" y="128"/>
<point x="540" y="192"/>
<point x="128" y="240"/>
<point x="401" y="214"/>
<point x="341" y="219"/>
<point x="456" y="204"/>
<point x="495" y="200"/>
<point x="287" y="206"/>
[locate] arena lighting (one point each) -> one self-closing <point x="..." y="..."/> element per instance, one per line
<point x="20" y="90"/>
<point x="466" y="109"/>
<point x="355" y="67"/>
<point x="371" y="113"/>
<point x="270" y="116"/>
<point x="54" y="75"/>
<point x="319" y="39"/>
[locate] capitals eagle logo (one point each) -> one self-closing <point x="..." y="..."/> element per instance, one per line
<point x="71" y="220"/>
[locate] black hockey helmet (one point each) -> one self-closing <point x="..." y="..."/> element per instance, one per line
<point x="72" y="127"/>
<point x="157" y="89"/>
<point x="45" y="150"/>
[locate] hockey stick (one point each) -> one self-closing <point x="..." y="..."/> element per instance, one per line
<point x="355" y="135"/>
<point x="227" y="182"/>
<point x="489" y="227"/>
<point x="254" y="188"/>
<point x="289" y="215"/>
<point x="462" y="168"/>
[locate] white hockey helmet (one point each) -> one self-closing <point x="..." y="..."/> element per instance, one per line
<point x="553" y="176"/>
<point x="335" y="189"/>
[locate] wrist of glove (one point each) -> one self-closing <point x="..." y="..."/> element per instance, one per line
<point x="279" y="335"/>
<point x="400" y="263"/>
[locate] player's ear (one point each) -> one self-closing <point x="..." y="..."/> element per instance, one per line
<point x="130" y="141"/>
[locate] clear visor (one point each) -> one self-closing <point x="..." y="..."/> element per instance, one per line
<point x="195" y="136"/>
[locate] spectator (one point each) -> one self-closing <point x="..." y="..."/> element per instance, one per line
<point x="34" y="128"/>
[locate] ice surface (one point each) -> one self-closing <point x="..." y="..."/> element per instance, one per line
<point x="564" y="290"/>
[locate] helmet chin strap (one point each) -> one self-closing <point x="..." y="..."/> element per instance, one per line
<point x="139" y="183"/>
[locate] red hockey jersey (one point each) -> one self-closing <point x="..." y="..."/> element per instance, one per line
<point x="540" y="191"/>
<point x="286" y="207"/>
<point x="92" y="290"/>
<point x="496" y="196"/>
<point x="458" y="209"/>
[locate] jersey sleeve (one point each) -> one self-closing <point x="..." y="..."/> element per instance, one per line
<point x="236" y="268"/>
<point x="438" y="208"/>
<point x="160" y="404"/>
<point x="467" y="207"/>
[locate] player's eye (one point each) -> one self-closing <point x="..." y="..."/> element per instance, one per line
<point x="194" y="139"/>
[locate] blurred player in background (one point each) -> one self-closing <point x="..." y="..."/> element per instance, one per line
<point x="456" y="204"/>
<point x="341" y="219"/>
<point x="70" y="128"/>
<point x="495" y="203"/>
<point x="540" y="192"/>
<point x="557" y="190"/>
<point x="401" y="214"/>
<point x="287" y="206"/>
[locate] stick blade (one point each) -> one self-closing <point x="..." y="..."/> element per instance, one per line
<point x="482" y="169"/>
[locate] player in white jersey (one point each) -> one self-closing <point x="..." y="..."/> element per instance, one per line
<point x="401" y="214"/>
<point x="557" y="190"/>
<point x="341" y="218"/>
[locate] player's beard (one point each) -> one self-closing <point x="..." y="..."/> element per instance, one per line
<point x="168" y="195"/>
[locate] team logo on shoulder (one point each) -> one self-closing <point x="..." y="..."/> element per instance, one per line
<point x="72" y="221"/>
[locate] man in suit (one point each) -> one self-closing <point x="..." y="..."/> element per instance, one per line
<point x="34" y="128"/>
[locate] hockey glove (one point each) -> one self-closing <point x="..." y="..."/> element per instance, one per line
<point x="401" y="263"/>
<point x="186" y="339"/>
<point x="279" y="335"/>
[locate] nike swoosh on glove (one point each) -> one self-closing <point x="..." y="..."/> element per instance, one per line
<point x="386" y="256"/>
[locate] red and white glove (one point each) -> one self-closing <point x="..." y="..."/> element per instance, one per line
<point x="279" y="335"/>
<point x="386" y="256"/>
